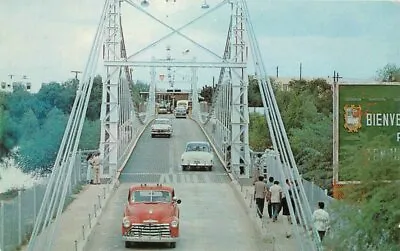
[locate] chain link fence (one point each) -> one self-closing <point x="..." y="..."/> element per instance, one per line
<point x="19" y="212"/>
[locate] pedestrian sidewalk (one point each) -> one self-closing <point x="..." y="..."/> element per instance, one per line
<point x="80" y="218"/>
<point x="277" y="235"/>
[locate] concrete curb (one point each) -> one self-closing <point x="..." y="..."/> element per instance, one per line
<point x="82" y="244"/>
<point x="112" y="189"/>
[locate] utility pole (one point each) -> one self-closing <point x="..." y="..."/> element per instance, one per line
<point x="76" y="74"/>
<point x="336" y="77"/>
<point x="301" y="69"/>
<point x="277" y="72"/>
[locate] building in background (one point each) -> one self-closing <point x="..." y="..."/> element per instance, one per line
<point x="14" y="83"/>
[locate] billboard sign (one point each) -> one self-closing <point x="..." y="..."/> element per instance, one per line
<point x="364" y="111"/>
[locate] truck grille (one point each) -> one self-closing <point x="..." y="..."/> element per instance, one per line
<point x="161" y="230"/>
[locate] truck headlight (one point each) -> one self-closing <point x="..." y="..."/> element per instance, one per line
<point x="126" y="222"/>
<point x="174" y="223"/>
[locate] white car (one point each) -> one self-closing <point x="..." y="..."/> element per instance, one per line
<point x="161" y="127"/>
<point x="197" y="155"/>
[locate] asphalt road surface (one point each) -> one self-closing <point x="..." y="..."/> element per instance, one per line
<point x="211" y="218"/>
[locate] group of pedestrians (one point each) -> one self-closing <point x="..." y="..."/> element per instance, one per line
<point x="272" y="193"/>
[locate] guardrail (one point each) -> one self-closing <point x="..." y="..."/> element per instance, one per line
<point x="18" y="211"/>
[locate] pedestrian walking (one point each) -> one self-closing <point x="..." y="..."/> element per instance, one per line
<point x="270" y="183"/>
<point x="260" y="192"/>
<point x="276" y="199"/>
<point x="321" y="220"/>
<point x="285" y="205"/>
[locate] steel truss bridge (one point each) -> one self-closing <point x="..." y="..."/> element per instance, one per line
<point x="225" y="124"/>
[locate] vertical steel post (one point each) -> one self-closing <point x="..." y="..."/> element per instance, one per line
<point x="19" y="217"/>
<point x="34" y="204"/>
<point x="151" y="105"/>
<point x="2" y="244"/>
<point x="110" y="98"/>
<point x="239" y="110"/>
<point x="335" y="94"/>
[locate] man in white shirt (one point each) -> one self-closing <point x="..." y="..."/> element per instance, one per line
<point x="321" y="220"/>
<point x="276" y="198"/>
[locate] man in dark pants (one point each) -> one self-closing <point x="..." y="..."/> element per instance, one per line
<point x="269" y="185"/>
<point x="260" y="191"/>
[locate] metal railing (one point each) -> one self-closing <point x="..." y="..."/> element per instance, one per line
<point x="18" y="213"/>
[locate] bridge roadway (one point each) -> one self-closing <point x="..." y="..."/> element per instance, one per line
<point x="212" y="218"/>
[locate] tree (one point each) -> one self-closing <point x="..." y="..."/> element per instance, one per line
<point x="29" y="125"/>
<point x="136" y="89"/>
<point x="368" y="217"/>
<point x="259" y="139"/>
<point x="389" y="73"/>
<point x="207" y="93"/>
<point x="90" y="138"/>
<point x="40" y="151"/>
<point x="94" y="106"/>
<point x="254" y="95"/>
<point x="312" y="147"/>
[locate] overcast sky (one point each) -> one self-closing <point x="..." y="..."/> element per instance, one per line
<point x="46" y="39"/>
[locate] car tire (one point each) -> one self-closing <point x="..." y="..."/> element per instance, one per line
<point x="169" y="135"/>
<point x="184" y="168"/>
<point x="128" y="244"/>
<point x="152" y="135"/>
<point x="209" y="168"/>
<point x="172" y="244"/>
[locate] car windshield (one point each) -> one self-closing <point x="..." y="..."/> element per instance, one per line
<point x="151" y="196"/>
<point x="161" y="121"/>
<point x="181" y="108"/>
<point x="197" y="147"/>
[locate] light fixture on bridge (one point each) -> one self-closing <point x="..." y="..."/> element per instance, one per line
<point x="145" y="3"/>
<point x="205" y="5"/>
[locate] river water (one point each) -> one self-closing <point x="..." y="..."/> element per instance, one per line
<point x="12" y="177"/>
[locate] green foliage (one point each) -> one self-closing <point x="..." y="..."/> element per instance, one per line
<point x="312" y="147"/>
<point x="94" y="106"/>
<point x="90" y="138"/>
<point x="258" y="133"/>
<point x="254" y="95"/>
<point x="36" y="122"/>
<point x="40" y="151"/>
<point x="55" y="95"/>
<point x="306" y="109"/>
<point x="389" y="73"/>
<point x="207" y="93"/>
<point x="371" y="221"/>
<point x="136" y="88"/>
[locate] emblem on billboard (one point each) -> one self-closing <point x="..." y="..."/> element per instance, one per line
<point x="352" y="117"/>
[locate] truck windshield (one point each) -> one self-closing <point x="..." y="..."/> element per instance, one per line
<point x="151" y="196"/>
